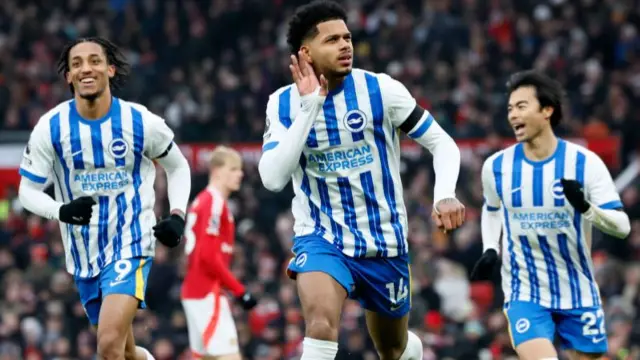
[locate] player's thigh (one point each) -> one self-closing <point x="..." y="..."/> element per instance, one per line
<point x="576" y="355"/>
<point x="323" y="281"/>
<point x="90" y="298"/>
<point x="383" y="287"/>
<point x="123" y="284"/>
<point x="220" y="337"/>
<point x="583" y="332"/>
<point x="532" y="330"/>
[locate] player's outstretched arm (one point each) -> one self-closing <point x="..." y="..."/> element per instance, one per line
<point x="601" y="204"/>
<point x="283" y="146"/>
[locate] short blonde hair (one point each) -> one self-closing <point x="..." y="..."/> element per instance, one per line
<point x="221" y="154"/>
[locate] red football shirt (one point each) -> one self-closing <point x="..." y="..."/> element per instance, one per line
<point x="209" y="234"/>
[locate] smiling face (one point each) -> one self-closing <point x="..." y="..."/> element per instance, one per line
<point x="89" y="71"/>
<point x="331" y="50"/>
<point x="527" y="119"/>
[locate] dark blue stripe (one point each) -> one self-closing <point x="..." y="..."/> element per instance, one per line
<point x="54" y="128"/>
<point x="78" y="164"/>
<point x="424" y="126"/>
<point x="515" y="270"/>
<point x="534" y="283"/>
<point x="103" y="229"/>
<point x="121" y="204"/>
<point x="377" y="110"/>
<point x="552" y="271"/>
<point x="116" y="127"/>
<point x="96" y="144"/>
<point x="305" y="186"/>
<point x="491" y="208"/>
<point x="615" y="204"/>
<point x="75" y="139"/>
<point x="331" y="121"/>
<point x="33" y="177"/>
<point x="516" y="177"/>
<point x="538" y="188"/>
<point x="136" y="203"/>
<point x="325" y="207"/>
<point x="558" y="200"/>
<point x="577" y="223"/>
<point x="269" y="146"/>
<point x="350" y="217"/>
<point x="576" y="299"/>
<point x="373" y="212"/>
<point x="351" y="99"/>
<point x="284" y="108"/>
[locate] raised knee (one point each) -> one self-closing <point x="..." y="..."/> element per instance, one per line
<point x="110" y="345"/>
<point x="320" y="327"/>
<point x="412" y="350"/>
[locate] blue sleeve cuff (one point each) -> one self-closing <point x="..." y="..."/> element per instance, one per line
<point x="270" y="145"/>
<point x="426" y="123"/>
<point x="615" y="204"/>
<point x="492" y="208"/>
<point x="33" y="177"/>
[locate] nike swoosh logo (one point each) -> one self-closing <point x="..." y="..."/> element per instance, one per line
<point x="77" y="152"/>
<point x="598" y="340"/>
<point x="396" y="307"/>
<point x="114" y="283"/>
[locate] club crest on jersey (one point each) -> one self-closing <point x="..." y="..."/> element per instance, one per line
<point x="355" y="120"/>
<point x="556" y="189"/>
<point x="118" y="148"/>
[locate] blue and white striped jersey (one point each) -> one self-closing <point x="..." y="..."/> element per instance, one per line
<point x="108" y="159"/>
<point x="347" y="185"/>
<point x="546" y="247"/>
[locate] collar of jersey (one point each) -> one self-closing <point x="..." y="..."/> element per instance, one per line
<point x="556" y="152"/>
<point x="115" y="106"/>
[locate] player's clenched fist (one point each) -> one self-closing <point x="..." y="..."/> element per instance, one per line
<point x="78" y="211"/>
<point x="169" y="230"/>
<point x="448" y="214"/>
<point x="305" y="78"/>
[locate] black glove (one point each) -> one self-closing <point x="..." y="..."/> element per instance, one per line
<point x="574" y="194"/>
<point x="78" y="211"/>
<point x="247" y="300"/>
<point x="484" y="268"/>
<point x="169" y="230"/>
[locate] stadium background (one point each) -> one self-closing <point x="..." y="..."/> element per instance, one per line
<point x="208" y="67"/>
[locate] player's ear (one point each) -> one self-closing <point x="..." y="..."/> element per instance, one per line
<point x="547" y="111"/>
<point x="111" y="71"/>
<point x="67" y="76"/>
<point x="305" y="51"/>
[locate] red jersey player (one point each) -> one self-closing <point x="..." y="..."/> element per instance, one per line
<point x="209" y="234"/>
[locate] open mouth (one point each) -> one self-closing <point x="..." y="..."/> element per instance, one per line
<point x="345" y="58"/>
<point x="88" y="81"/>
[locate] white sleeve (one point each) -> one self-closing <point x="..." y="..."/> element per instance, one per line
<point x="599" y="186"/>
<point x="39" y="154"/>
<point x="403" y="112"/>
<point x="491" y="221"/>
<point x="489" y="191"/>
<point x="33" y="198"/>
<point x="158" y="135"/>
<point x="283" y="146"/>
<point x="178" y="178"/>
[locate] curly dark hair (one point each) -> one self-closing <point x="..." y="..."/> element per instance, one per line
<point x="114" y="56"/>
<point x="303" y="23"/>
<point x="548" y="91"/>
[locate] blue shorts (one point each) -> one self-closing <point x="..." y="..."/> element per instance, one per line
<point x="381" y="285"/>
<point x="127" y="276"/>
<point x="581" y="329"/>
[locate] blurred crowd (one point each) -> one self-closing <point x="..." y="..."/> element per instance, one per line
<point x="208" y="67"/>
